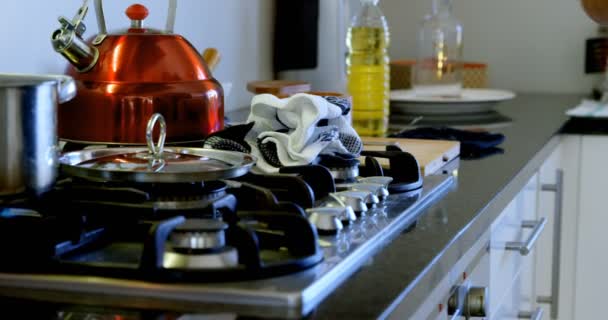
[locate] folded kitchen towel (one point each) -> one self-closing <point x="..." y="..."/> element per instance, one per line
<point x="296" y="130"/>
<point x="589" y="109"/>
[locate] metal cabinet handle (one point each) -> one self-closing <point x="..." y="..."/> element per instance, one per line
<point x="536" y="315"/>
<point x="524" y="248"/>
<point x="558" y="188"/>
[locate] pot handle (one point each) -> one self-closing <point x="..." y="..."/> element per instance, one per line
<point x="66" y="86"/>
<point x="66" y="89"/>
<point x="101" y="20"/>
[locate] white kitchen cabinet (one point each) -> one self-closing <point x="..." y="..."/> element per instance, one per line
<point x="512" y="273"/>
<point x="556" y="261"/>
<point x="592" y="253"/>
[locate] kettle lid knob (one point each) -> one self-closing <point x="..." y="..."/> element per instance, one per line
<point x="137" y="12"/>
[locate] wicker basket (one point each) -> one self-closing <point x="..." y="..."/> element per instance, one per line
<point x="475" y="75"/>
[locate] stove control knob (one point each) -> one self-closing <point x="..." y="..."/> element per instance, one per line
<point x="469" y="302"/>
<point x="354" y="199"/>
<point x="347" y="214"/>
<point x="384" y="181"/>
<point x="374" y="188"/>
<point x="477" y="301"/>
<point x="326" y="219"/>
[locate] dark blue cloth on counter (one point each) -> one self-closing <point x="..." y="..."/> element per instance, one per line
<point x="473" y="145"/>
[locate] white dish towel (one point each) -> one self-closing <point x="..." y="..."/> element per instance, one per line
<point x="296" y="130"/>
<point x="589" y="109"/>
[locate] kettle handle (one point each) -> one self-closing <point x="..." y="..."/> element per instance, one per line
<point x="101" y="20"/>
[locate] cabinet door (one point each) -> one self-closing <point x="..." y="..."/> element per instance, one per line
<point x="512" y="271"/>
<point x="504" y="264"/>
<point x="557" y="250"/>
<point x="544" y="264"/>
<point x="592" y="254"/>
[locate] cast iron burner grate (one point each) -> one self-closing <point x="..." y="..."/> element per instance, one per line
<point x="118" y="231"/>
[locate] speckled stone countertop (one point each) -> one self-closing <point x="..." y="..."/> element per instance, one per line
<point x="484" y="187"/>
<point x="451" y="226"/>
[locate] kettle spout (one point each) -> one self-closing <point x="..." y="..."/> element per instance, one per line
<point x="68" y="41"/>
<point x="72" y="47"/>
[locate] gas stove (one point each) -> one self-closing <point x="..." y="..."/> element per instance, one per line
<point x="273" y="245"/>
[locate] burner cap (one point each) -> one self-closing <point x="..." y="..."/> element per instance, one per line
<point x="342" y="168"/>
<point x="201" y="225"/>
<point x="199" y="234"/>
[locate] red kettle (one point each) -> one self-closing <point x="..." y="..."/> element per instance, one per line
<point x="125" y="77"/>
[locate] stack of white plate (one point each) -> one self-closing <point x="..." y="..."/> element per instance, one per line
<point x="470" y="101"/>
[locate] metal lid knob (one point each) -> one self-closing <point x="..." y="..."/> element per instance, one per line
<point x="137" y="13"/>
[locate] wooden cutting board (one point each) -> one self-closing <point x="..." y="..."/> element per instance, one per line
<point x="431" y="154"/>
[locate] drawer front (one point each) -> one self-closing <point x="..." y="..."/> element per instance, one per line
<point x="516" y="303"/>
<point x="473" y="269"/>
<point x="507" y="229"/>
<point x="504" y="264"/>
<point x="510" y="305"/>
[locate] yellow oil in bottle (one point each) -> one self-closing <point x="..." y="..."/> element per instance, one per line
<point x="369" y="79"/>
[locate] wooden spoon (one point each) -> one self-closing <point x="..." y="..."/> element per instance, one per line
<point x="597" y="10"/>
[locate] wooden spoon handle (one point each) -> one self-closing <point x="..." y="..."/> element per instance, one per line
<point x="212" y="58"/>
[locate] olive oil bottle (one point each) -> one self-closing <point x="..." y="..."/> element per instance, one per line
<point x="368" y="73"/>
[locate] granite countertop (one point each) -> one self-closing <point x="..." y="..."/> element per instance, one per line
<point x="477" y="201"/>
<point x="454" y="223"/>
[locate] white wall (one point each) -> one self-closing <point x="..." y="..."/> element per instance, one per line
<point x="240" y="29"/>
<point x="530" y="45"/>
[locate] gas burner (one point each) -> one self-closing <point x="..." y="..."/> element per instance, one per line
<point x="199" y="234"/>
<point x="160" y="193"/>
<point x="342" y="169"/>
<point x="139" y="200"/>
<point x="200" y="244"/>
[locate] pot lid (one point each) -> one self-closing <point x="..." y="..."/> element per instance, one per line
<point x="156" y="164"/>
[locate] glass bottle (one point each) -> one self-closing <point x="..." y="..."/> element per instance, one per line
<point x="368" y="71"/>
<point x="438" y="68"/>
<point x="598" y="11"/>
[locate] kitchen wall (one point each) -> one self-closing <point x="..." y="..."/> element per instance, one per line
<point x="533" y="45"/>
<point x="240" y="29"/>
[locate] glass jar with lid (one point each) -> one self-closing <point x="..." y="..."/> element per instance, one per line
<point x="438" y="68"/>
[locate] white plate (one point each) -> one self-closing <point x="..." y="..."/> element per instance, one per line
<point x="471" y="101"/>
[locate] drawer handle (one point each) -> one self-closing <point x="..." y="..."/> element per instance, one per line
<point x="524" y="248"/>
<point x="536" y="315"/>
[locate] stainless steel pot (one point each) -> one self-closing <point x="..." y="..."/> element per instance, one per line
<point x="28" y="130"/>
<point x="156" y="163"/>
